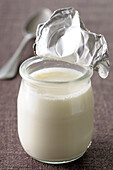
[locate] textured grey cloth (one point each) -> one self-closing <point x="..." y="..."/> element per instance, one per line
<point x="98" y="17"/>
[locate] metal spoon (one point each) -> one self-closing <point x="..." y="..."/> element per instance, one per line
<point x="9" y="70"/>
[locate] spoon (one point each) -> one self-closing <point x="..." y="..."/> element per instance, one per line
<point x="9" y="70"/>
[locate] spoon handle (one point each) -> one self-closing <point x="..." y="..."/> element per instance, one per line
<point x="9" y="70"/>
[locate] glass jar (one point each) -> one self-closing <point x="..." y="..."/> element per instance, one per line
<point x="55" y="118"/>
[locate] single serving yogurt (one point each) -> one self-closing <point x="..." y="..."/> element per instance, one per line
<point x="55" y="114"/>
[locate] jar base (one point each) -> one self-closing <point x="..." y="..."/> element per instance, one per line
<point x="60" y="161"/>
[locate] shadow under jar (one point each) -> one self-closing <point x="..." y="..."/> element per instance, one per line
<point x="55" y="110"/>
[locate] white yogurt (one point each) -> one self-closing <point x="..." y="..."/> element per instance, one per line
<point x="55" y="121"/>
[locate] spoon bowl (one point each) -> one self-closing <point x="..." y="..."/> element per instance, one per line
<point x="40" y="17"/>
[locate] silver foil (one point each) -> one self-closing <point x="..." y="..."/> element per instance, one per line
<point x="65" y="37"/>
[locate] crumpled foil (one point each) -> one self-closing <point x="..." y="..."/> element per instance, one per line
<point x="65" y="37"/>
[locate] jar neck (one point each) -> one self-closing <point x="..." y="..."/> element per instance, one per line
<point x="38" y="63"/>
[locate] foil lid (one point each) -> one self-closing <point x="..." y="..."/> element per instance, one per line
<point x="65" y="37"/>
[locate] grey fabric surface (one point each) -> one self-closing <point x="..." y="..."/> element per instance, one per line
<point x="98" y="17"/>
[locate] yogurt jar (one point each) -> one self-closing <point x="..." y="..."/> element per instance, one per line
<point x="55" y="110"/>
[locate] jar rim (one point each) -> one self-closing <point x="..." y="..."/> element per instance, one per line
<point x="24" y="74"/>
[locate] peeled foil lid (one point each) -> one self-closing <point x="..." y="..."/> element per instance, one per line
<point x="65" y="37"/>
